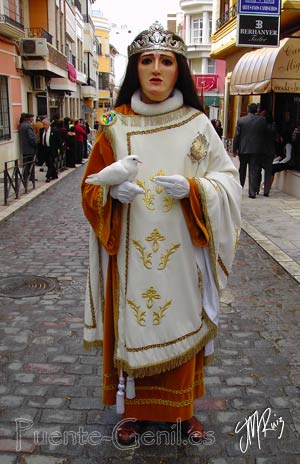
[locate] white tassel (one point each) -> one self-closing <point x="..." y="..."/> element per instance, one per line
<point x="130" y="388"/>
<point x="120" y="395"/>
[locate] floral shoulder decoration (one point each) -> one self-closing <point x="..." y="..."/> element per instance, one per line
<point x="198" y="150"/>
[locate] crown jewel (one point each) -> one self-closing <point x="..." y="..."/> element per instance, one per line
<point x="156" y="38"/>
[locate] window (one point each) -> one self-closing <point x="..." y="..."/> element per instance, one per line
<point x="209" y="28"/>
<point x="103" y="81"/>
<point x="211" y="66"/>
<point x="197" y="31"/>
<point x="99" y="46"/>
<point x="5" y="132"/>
<point x="106" y="46"/>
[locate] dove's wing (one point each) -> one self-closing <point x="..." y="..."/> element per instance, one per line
<point x="114" y="174"/>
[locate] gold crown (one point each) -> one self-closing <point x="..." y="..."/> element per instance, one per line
<point x="156" y="38"/>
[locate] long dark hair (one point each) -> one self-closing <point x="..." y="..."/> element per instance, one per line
<point x="184" y="83"/>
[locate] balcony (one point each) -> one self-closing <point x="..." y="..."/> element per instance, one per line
<point x="226" y="17"/>
<point x="11" y="24"/>
<point x="88" y="20"/>
<point x="224" y="38"/>
<point x="78" y="5"/>
<point x="91" y="82"/>
<point x="89" y="90"/>
<point x="38" y="32"/>
<point x="53" y="65"/>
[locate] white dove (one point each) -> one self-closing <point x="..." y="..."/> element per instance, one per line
<point x="117" y="172"/>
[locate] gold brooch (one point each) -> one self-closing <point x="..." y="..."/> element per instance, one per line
<point x="108" y="118"/>
<point x="199" y="149"/>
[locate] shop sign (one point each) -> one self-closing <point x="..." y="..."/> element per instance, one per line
<point x="285" y="86"/>
<point x="257" y="32"/>
<point x="259" y="7"/>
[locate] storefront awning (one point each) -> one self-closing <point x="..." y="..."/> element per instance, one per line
<point x="268" y="69"/>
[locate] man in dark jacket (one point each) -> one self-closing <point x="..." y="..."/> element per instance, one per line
<point x="50" y="144"/>
<point x="28" y="146"/>
<point x="248" y="143"/>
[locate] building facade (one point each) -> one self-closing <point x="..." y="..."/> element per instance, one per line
<point x="208" y="73"/>
<point x="11" y="31"/>
<point x="268" y="76"/>
<point x="48" y="64"/>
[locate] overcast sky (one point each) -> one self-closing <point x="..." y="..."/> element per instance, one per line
<point x="137" y="15"/>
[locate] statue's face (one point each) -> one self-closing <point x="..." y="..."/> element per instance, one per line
<point x="157" y="72"/>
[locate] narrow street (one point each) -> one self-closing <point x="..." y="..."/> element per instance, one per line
<point x="50" y="388"/>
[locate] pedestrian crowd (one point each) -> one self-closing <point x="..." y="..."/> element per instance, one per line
<point x="260" y="145"/>
<point x="57" y="144"/>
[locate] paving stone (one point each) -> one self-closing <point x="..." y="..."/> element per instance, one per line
<point x="84" y="403"/>
<point x="8" y="459"/>
<point x="249" y="403"/>
<point x="56" y="380"/>
<point x="40" y="368"/>
<point x="46" y="403"/>
<point x="64" y="359"/>
<point x="63" y="417"/>
<point x="11" y="446"/>
<point x="230" y="460"/>
<point x="203" y="404"/>
<point x="234" y="381"/>
<point x="43" y="460"/>
<point x="10" y="401"/>
<point x="33" y="390"/>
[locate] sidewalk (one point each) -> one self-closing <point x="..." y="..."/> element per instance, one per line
<point x="40" y="187"/>
<point x="273" y="222"/>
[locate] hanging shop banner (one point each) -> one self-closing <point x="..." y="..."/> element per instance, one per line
<point x="257" y="32"/>
<point x="259" y="7"/>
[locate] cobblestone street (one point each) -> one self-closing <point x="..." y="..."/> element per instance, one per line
<point x="50" y="388"/>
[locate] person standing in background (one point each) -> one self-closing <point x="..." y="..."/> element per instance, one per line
<point x="50" y="144"/>
<point x="28" y="142"/>
<point x="80" y="135"/>
<point x="248" y="144"/>
<point x="265" y="161"/>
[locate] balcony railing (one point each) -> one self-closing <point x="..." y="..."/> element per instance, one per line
<point x="4" y="19"/>
<point x="78" y="5"/>
<point x="38" y="32"/>
<point x="91" y="82"/>
<point x="13" y="14"/>
<point x="88" y="19"/>
<point x="226" y="17"/>
<point x="57" y="58"/>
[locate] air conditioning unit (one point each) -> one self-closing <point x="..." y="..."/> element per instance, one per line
<point x="34" y="47"/>
<point x="38" y="83"/>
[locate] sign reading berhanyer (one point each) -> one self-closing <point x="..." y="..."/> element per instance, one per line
<point x="254" y="31"/>
<point x="258" y="23"/>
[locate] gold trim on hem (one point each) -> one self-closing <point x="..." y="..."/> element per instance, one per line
<point x="159" y="345"/>
<point x="222" y="266"/>
<point x="92" y="307"/>
<point x="161" y="402"/>
<point x="170" y="390"/>
<point x="87" y="345"/>
<point x="209" y="359"/>
<point x="171" y="363"/>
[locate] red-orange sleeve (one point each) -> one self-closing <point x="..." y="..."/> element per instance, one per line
<point x="104" y="219"/>
<point x="194" y="217"/>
